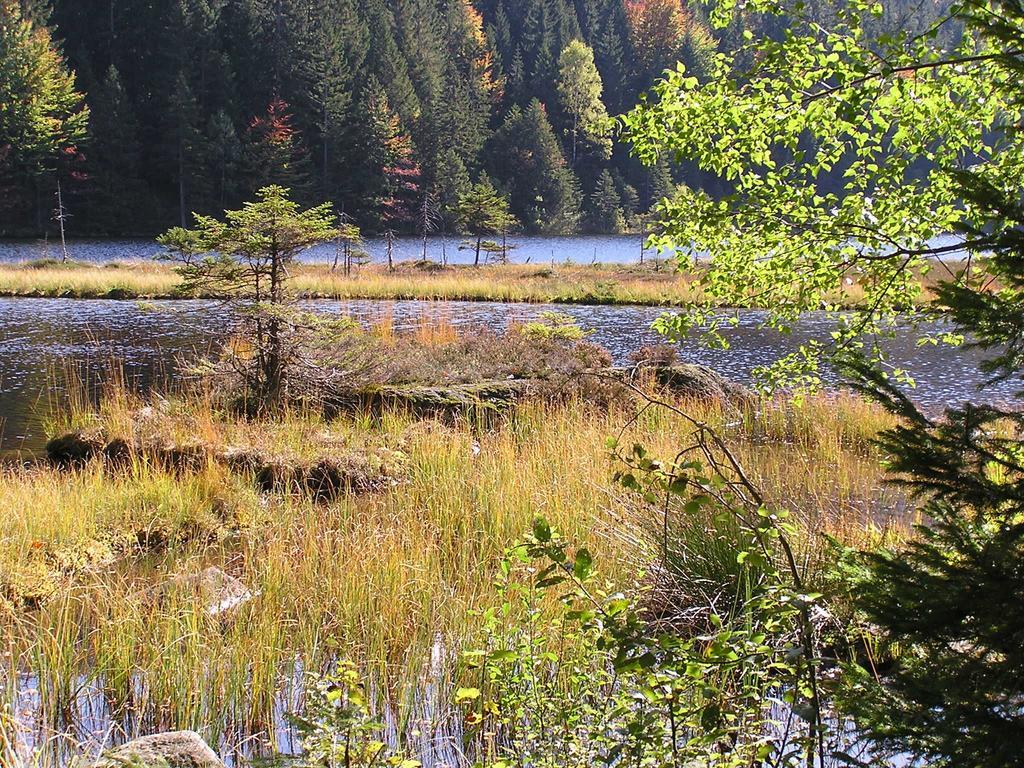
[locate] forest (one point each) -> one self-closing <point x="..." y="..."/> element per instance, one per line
<point x="741" y="488"/>
<point x="389" y="110"/>
<point x="386" y="109"/>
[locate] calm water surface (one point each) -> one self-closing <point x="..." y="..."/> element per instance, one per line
<point x="582" y="249"/>
<point x="40" y="336"/>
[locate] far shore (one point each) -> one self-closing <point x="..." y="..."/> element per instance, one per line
<point x="653" y="284"/>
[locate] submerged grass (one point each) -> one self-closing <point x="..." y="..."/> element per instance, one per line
<point x="654" y="284"/>
<point x="388" y="578"/>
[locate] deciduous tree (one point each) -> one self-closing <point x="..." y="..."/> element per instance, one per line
<point x="579" y="92"/>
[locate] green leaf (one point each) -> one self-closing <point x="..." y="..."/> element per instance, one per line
<point x="541" y="530"/>
<point x="462" y="695"/>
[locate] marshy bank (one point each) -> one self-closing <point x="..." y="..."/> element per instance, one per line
<point x="655" y="284"/>
<point x="148" y="339"/>
<point x="387" y="572"/>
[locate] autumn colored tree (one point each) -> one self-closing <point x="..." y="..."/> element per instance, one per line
<point x="273" y="154"/>
<point x="43" y="117"/>
<point x="662" y="32"/>
<point x="394" y="177"/>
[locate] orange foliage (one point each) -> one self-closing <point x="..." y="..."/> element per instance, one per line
<point x="276" y="125"/>
<point x="656" y="30"/>
<point x="482" y="58"/>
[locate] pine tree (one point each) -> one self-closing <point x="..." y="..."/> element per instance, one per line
<point x="340" y="46"/>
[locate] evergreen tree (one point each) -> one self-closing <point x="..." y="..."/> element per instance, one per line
<point x="184" y="144"/>
<point x="950" y="599"/>
<point x="481" y="211"/>
<point x="340" y="49"/>
<point x="450" y="184"/>
<point x="606" y="214"/>
<point x="224" y="162"/>
<point x="116" y="200"/>
<point x="943" y="605"/>
<point x="544" y="191"/>
<point x="43" y="117"/>
<point x="392" y="176"/>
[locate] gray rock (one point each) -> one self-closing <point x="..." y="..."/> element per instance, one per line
<point x="177" y="749"/>
<point x="219" y="591"/>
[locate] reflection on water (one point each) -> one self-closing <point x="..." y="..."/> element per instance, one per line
<point x="38" y="336"/>
<point x="583" y="249"/>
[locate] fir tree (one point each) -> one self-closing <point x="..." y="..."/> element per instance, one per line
<point x="545" y="192"/>
<point x="606" y="214"/>
<point x="116" y="197"/>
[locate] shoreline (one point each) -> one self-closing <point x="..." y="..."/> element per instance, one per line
<point x="648" y="285"/>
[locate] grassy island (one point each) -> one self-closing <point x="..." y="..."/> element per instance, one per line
<point x="652" y="284"/>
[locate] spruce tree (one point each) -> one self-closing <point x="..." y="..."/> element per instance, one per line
<point x="606" y="214"/>
<point x="950" y="601"/>
<point x="545" y="193"/>
<point x="116" y="198"/>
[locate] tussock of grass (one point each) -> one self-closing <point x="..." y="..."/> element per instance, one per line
<point x="563" y="284"/>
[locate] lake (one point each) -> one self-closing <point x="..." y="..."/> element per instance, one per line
<point x="581" y="249"/>
<point x="41" y="336"/>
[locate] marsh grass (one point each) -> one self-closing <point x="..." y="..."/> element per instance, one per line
<point x="377" y="578"/>
<point x="597" y="284"/>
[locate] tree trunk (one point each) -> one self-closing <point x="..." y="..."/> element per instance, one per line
<point x="274" y="374"/>
<point x="476" y="261"/>
<point x="60" y="220"/>
<point x="181" y="182"/>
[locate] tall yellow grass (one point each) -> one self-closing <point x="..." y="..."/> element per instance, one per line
<point x="378" y="578"/>
<point x="565" y="284"/>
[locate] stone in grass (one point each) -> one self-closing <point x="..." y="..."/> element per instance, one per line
<point x="220" y="592"/>
<point x="177" y="749"/>
<point x="702" y="383"/>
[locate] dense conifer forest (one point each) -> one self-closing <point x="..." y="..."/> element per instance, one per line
<point x="386" y="109"/>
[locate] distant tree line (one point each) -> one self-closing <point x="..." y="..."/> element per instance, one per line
<point x="391" y="111"/>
